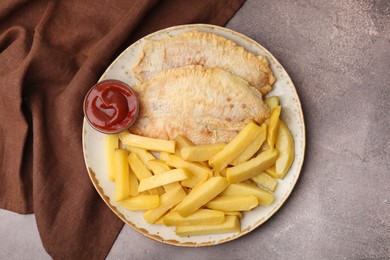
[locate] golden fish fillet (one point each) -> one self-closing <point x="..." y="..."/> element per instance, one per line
<point x="207" y="105"/>
<point x="206" y="49"/>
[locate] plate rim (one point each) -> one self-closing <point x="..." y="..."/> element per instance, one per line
<point x="106" y="199"/>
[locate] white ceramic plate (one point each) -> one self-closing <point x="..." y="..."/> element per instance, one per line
<point x="93" y="143"/>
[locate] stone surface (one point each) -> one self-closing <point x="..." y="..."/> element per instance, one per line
<point x="338" y="55"/>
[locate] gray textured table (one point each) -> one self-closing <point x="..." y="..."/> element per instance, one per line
<point x="338" y="55"/>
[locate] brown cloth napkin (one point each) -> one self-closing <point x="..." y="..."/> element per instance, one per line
<point x="51" y="53"/>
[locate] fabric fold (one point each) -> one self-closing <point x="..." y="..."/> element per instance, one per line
<point x="51" y="53"/>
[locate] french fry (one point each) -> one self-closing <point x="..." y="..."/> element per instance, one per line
<point x="141" y="202"/>
<point x="200" y="153"/>
<point x="143" y="155"/>
<point x="273" y="127"/>
<point x="157" y="167"/>
<point x="234" y="213"/>
<point x="147" y="143"/>
<point x="235" y="147"/>
<point x="111" y="143"/>
<point x="272" y="102"/>
<point x="202" y="194"/>
<point x="285" y="145"/>
<point x="194" y="168"/>
<point x="133" y="183"/>
<point x="237" y="189"/>
<point x="162" y="179"/>
<point x="252" y="148"/>
<point x="233" y="203"/>
<point x="192" y="182"/>
<point x="230" y="225"/>
<point x="199" y="217"/>
<point x="252" y="167"/>
<point x="265" y="181"/>
<point x="181" y="142"/>
<point x="122" y="180"/>
<point x="164" y="156"/>
<point x="140" y="170"/>
<point x="167" y="201"/>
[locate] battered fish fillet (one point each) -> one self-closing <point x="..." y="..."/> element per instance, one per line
<point x="206" y="49"/>
<point x="207" y="105"/>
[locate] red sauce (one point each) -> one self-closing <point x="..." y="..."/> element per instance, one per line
<point x="111" y="106"/>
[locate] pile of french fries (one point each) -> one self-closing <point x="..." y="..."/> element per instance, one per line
<point x="200" y="189"/>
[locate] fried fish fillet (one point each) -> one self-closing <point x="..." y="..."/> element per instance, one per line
<point x="206" y="49"/>
<point x="207" y="105"/>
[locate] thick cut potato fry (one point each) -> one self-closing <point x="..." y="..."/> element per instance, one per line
<point x="252" y="167"/>
<point x="143" y="155"/>
<point x="231" y="224"/>
<point x="265" y="181"/>
<point x="235" y="147"/>
<point x="157" y="167"/>
<point x="164" y="156"/>
<point x="163" y="179"/>
<point x="200" y="153"/>
<point x="111" y="144"/>
<point x="192" y="181"/>
<point x="233" y="203"/>
<point x="273" y="127"/>
<point x="202" y="194"/>
<point x="234" y="213"/>
<point x="140" y="170"/>
<point x="133" y="183"/>
<point x="285" y="145"/>
<point x="194" y="168"/>
<point x="238" y="189"/>
<point x="122" y="179"/>
<point x="147" y="143"/>
<point x="199" y="217"/>
<point x="167" y="201"/>
<point x="141" y="202"/>
<point x="272" y="102"/>
<point x="181" y="142"/>
<point x="271" y="171"/>
<point x="252" y="148"/>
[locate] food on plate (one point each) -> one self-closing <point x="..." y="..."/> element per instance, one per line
<point x="285" y="146"/>
<point x="266" y="181"/>
<point x="272" y="102"/>
<point x="233" y="203"/>
<point x="234" y="148"/>
<point x="140" y="202"/>
<point x="231" y="224"/>
<point x="243" y="188"/>
<point x="161" y="179"/>
<point x="206" y="49"/>
<point x="110" y="106"/>
<point x="111" y="143"/>
<point x="251" y="168"/>
<point x="201" y="194"/>
<point x="122" y="179"/>
<point x="273" y="127"/>
<point x="252" y="148"/>
<point x="147" y="143"/>
<point x="205" y="148"/>
<point x="199" y="217"/>
<point x="195" y="198"/>
<point x="197" y="170"/>
<point x="140" y="171"/>
<point x="167" y="201"/>
<point x="207" y="105"/>
<point x="201" y="153"/>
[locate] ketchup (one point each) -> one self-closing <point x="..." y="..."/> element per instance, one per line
<point x="111" y="106"/>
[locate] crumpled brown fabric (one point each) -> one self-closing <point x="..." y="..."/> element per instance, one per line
<point x="51" y="53"/>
